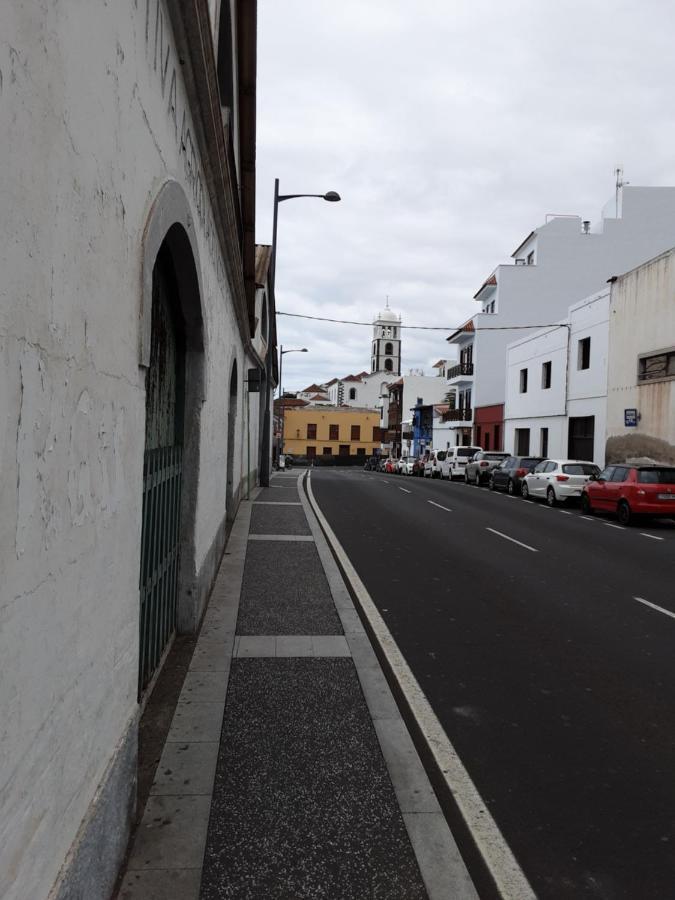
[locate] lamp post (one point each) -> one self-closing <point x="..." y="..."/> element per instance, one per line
<point x="281" y="391"/>
<point x="331" y="197"/>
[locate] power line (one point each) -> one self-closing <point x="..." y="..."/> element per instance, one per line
<point x="425" y="327"/>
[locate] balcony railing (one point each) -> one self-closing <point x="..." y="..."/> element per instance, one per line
<point x="460" y="369"/>
<point x="458" y="415"/>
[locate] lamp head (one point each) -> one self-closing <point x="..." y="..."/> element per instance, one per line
<point x="332" y="197"/>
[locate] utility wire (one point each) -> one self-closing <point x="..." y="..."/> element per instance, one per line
<point x="425" y="327"/>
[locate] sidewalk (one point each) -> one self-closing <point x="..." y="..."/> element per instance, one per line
<point x="288" y="771"/>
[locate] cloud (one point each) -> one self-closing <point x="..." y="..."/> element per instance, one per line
<point x="450" y="130"/>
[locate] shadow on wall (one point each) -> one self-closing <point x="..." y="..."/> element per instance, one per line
<point x="627" y="446"/>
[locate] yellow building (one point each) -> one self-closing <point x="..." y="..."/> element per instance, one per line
<point x="321" y="431"/>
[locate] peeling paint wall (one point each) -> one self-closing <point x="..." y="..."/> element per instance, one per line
<point x="641" y="320"/>
<point x="94" y="119"/>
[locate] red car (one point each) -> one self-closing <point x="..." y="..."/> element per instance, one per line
<point x="631" y="491"/>
<point x="390" y="466"/>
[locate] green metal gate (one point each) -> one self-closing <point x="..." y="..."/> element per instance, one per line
<point x="159" y="555"/>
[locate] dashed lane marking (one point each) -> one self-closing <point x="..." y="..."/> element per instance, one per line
<point x="404" y="490"/>
<point x="433" y="503"/>
<point x="618" y="527"/>
<point x="654" y="537"/>
<point x="513" y="540"/>
<point x="666" y="612"/>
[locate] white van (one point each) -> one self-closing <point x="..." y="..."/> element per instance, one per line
<point x="433" y="462"/>
<point x="455" y="461"/>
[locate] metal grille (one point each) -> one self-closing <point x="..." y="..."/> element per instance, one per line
<point x="160" y="537"/>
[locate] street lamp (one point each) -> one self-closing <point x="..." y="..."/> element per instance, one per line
<point x="281" y="390"/>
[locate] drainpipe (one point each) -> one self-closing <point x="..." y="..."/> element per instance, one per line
<point x="567" y="366"/>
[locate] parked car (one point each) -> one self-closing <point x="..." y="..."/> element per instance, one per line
<point x="382" y="463"/>
<point x="432" y="465"/>
<point x="371" y="464"/>
<point x="557" y="480"/>
<point x="508" y="475"/>
<point x="407" y="465"/>
<point x="455" y="461"/>
<point x="390" y="466"/>
<point x="481" y="464"/>
<point x="418" y="467"/>
<point x="630" y="491"/>
<point x="401" y="464"/>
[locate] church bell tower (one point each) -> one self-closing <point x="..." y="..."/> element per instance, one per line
<point x="386" y="349"/>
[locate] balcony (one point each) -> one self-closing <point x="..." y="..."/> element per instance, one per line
<point x="460" y="372"/>
<point x="458" y="415"/>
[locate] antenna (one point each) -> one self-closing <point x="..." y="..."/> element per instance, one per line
<point x="387" y="303"/>
<point x="618" y="171"/>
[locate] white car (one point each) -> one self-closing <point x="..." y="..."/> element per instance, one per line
<point x="455" y="461"/>
<point x="404" y="465"/>
<point x="557" y="480"/>
<point x="432" y="465"/>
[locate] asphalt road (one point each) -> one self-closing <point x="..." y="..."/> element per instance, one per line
<point x="553" y="681"/>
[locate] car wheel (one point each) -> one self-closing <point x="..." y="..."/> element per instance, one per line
<point x="510" y="487"/>
<point x="586" y="507"/>
<point x="624" y="512"/>
<point x="550" y="497"/>
<point x="524" y="491"/>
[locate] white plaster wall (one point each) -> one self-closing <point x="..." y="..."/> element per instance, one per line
<point x="642" y="320"/>
<point x="430" y="388"/>
<point x="557" y="434"/>
<point x="88" y="138"/>
<point x="570" y="266"/>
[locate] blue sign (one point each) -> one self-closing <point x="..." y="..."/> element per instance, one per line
<point x="630" y="418"/>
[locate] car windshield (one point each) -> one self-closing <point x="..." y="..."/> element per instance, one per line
<point x="441" y="455"/>
<point x="467" y="451"/>
<point x="580" y="469"/>
<point x="656" y="476"/>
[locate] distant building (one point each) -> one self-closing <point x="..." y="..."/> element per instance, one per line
<point x="329" y="431"/>
<point x="641" y="372"/>
<point x="558" y="263"/>
<point x="403" y="396"/>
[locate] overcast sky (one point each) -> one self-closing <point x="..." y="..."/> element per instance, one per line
<point x="450" y="128"/>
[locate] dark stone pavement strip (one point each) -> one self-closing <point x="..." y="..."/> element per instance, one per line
<point x="303" y="806"/>
<point x="279" y="520"/>
<point x="285" y="591"/>
<point x="288" y="494"/>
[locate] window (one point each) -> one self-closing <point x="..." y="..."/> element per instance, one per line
<point x="620" y="473"/>
<point x="311" y="452"/>
<point x="523" y="381"/>
<point x="386" y="331"/>
<point x="352" y="393"/>
<point x="388" y="349"/>
<point x="394" y="331"/>
<point x="498" y="437"/>
<point x="543" y="441"/>
<point x="388" y="365"/>
<point x="327" y="451"/>
<point x="546" y="375"/>
<point x="584" y="354"/>
<point x="659" y="365"/>
<point x="530" y="258"/>
<point x="333" y="432"/>
<point x="478" y="434"/>
<point x="311" y="432"/>
<point x="487" y="440"/>
<point x="522" y="441"/>
<point x="580" y="438"/>
<point x="377" y="434"/>
<point x="656" y="476"/>
<point x="356" y="433"/>
<point x="344" y="449"/>
<point x="360" y="451"/>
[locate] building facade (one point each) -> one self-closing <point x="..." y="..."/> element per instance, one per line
<point x="135" y="362"/>
<point x="556" y="386"/>
<point x="641" y="374"/>
<point x="323" y="432"/>
<point x="558" y="263"/>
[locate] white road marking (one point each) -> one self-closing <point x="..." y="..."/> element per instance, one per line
<point x="666" y="612"/>
<point x="565" y="512"/>
<point x="588" y="518"/>
<point x="619" y="527"/>
<point x="433" y="503"/>
<point x="509" y="878"/>
<point x="652" y="536"/>
<point x="405" y="491"/>
<point x="506" y="537"/>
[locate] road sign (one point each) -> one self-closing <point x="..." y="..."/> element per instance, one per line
<point x="630" y="418"/>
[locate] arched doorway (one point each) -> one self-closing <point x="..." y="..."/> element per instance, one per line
<point x="231" y="432"/>
<point x="172" y="350"/>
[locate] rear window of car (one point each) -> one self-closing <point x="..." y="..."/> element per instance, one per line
<point x="656" y="476"/>
<point x="495" y="456"/>
<point x="467" y="451"/>
<point x="580" y="469"/>
<point x="441" y="455"/>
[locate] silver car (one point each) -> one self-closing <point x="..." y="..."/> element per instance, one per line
<point x="481" y="464"/>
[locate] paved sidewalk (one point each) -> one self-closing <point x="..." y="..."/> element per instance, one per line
<point x="288" y="772"/>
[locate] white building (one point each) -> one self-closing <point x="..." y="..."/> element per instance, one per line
<point x="641" y="377"/>
<point x="556" y="386"/>
<point x="558" y="263"/>
<point x="132" y="335"/>
<point x="403" y="395"/>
